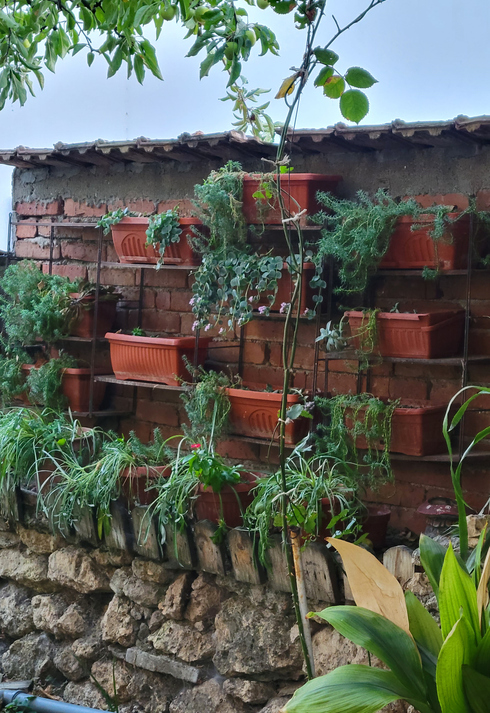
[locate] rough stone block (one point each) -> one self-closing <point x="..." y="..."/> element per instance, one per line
<point x="72" y="567"/>
<point x="162" y="664"/>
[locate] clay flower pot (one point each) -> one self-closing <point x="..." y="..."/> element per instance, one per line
<point x="375" y="524"/>
<point x="157" y="359"/>
<point x="255" y="414"/>
<point x="129" y="237"/>
<point x="415" y="249"/>
<point x="75" y="385"/>
<point x="83" y="323"/>
<point x="135" y="481"/>
<point x="299" y="189"/>
<point x="235" y="500"/>
<point x="429" y="335"/>
<point x="285" y="290"/>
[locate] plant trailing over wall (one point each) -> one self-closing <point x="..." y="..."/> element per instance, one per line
<point x="163" y="230"/>
<point x="113" y="218"/>
<point x="309" y="481"/>
<point x="12" y="378"/>
<point x="207" y="404"/>
<point x="349" y="417"/>
<point x="44" y="382"/>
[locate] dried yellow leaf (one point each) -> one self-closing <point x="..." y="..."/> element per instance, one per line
<point x="287" y="87"/>
<point x="482" y="591"/>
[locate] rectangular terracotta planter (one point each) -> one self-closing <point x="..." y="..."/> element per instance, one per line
<point x="129" y="237"/>
<point x="255" y="414"/>
<point x="135" y="481"/>
<point x="285" y="290"/>
<point x="154" y="358"/>
<point x="415" y="249"/>
<point x="234" y="499"/>
<point x="75" y="385"/>
<point x="299" y="189"/>
<point x="429" y="335"/>
<point x="83" y="324"/>
<point x="416" y="430"/>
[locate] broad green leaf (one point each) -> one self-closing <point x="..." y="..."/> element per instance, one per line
<point x="482" y="660"/>
<point x="458" y="649"/>
<point x="423" y="627"/>
<point x="360" y="78"/>
<point x="325" y="56"/>
<point x="206" y="65"/>
<point x="354" y="105"/>
<point x="477" y="689"/>
<point x="432" y="555"/>
<point x="324" y="74"/>
<point x="287" y="87"/>
<point x="139" y="68"/>
<point x="482" y="591"/>
<point x="457" y="594"/>
<point x="382" y="638"/>
<point x="350" y="689"/>
<point x="90" y="58"/>
<point x="372" y="586"/>
<point x="334" y="87"/>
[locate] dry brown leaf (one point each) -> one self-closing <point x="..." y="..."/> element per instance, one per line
<point x="372" y="586"/>
<point x="482" y="591"/>
<point x="287" y="87"/>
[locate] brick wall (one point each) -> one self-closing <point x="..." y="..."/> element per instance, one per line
<point x="166" y="309"/>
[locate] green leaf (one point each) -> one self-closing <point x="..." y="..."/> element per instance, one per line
<point x="358" y="77"/>
<point x="78" y="48"/>
<point x="139" y="68"/>
<point x="432" y="555"/>
<point x="334" y="87"/>
<point x="324" y="74"/>
<point x="482" y="660"/>
<point x="477" y="689"/>
<point x="382" y="638"/>
<point x="325" y="56"/>
<point x="458" y="649"/>
<point x="423" y="626"/>
<point x="206" y="65"/>
<point x="90" y="58"/>
<point x="349" y="689"/>
<point x="457" y="593"/>
<point x="354" y="105"/>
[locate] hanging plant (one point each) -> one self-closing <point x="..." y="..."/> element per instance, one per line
<point x="163" y="230"/>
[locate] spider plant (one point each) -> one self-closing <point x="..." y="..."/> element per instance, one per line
<point x="311" y="481"/>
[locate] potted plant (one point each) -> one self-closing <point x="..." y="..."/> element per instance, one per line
<point x="321" y="499"/>
<point x="151" y="240"/>
<point x="151" y="462"/>
<point x="153" y="358"/>
<point x="83" y="311"/>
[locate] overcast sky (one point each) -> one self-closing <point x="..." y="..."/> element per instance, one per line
<point x="430" y="57"/>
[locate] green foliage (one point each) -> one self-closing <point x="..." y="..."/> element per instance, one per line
<point x="44" y="382"/>
<point x="163" y="230"/>
<point x="357" y="234"/>
<point x="12" y="378"/>
<point x="207" y="405"/>
<point x="436" y="670"/>
<point x="349" y="417"/>
<point x="157" y="452"/>
<point x="308" y="481"/>
<point x="35" y="306"/>
<point x="113" y="218"/>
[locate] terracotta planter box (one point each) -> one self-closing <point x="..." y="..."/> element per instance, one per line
<point x="235" y="500"/>
<point x="430" y="335"/>
<point x="154" y="358"/>
<point x="135" y="481"/>
<point x="83" y="324"/>
<point x="285" y="290"/>
<point x="129" y="237"/>
<point x="415" y="249"/>
<point x="298" y="188"/>
<point x="416" y="430"/>
<point x="75" y="385"/>
<point x="255" y="414"/>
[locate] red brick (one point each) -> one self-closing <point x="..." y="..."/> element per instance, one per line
<point x="143" y="429"/>
<point x="158" y="412"/>
<point x="420" y="473"/>
<point x="265" y="330"/>
<point x="184" y="205"/>
<point x="162" y="299"/>
<point x="187" y="322"/>
<point x="254" y="353"/>
<point x="343" y="365"/>
<point x="149" y="299"/>
<point x="44" y="231"/>
<point x="81" y="209"/>
<point x="304" y="357"/>
<point x="459" y="200"/>
<point x="380" y="387"/>
<point x="342" y="383"/>
<point x="238" y="450"/>
<point x="442" y="391"/>
<point x="479" y="342"/>
<point x="78" y="250"/>
<point x="179" y="301"/>
<point x="141" y="205"/>
<point x="157" y="321"/>
<point x="407" y="518"/>
<point x="275" y="354"/>
<point x="483" y="200"/>
<point x="114" y="276"/>
<point x="72" y="272"/>
<point x="26" y="229"/>
<point x="262" y="375"/>
<point x="40" y="208"/>
<point x="412" y="389"/>
<point x="166" y="278"/>
<point x="35" y="249"/>
<point x="306" y="334"/>
<point x="226" y="352"/>
<point x="399" y="493"/>
<point x="111" y="254"/>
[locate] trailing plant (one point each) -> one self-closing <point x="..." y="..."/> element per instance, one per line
<point x="113" y="218"/>
<point x="309" y="480"/>
<point x="206" y="403"/>
<point x="12" y="378"/>
<point x="35" y="306"/>
<point x="349" y="417"/>
<point x="44" y="382"/>
<point x="163" y="230"/>
<point x="435" y="669"/>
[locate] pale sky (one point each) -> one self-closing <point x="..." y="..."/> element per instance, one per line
<point x="430" y="57"/>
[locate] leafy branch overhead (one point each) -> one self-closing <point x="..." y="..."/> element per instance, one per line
<point x="35" y="34"/>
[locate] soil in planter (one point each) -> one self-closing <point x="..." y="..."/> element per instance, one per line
<point x="255" y="414"/>
<point x="135" y="483"/>
<point x="428" y="335"/>
<point x="235" y="500"/>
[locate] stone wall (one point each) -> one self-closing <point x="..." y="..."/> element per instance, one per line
<point x="76" y="617"/>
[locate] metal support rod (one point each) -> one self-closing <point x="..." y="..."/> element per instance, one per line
<point x="51" y="242"/>
<point x="9" y="240"/>
<point x="94" y="332"/>
<point x="140" y="296"/>
<point x="42" y="705"/>
<point x="196" y="356"/>
<point x="240" y="351"/>
<point x="303" y="603"/>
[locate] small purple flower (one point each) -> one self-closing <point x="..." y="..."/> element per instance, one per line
<point x="221" y="330"/>
<point x="306" y="312"/>
<point x="195" y="325"/>
<point x="262" y="309"/>
<point x="207" y="327"/>
<point x="284" y="306"/>
<point x="192" y="301"/>
<point x="251" y="299"/>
